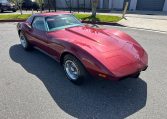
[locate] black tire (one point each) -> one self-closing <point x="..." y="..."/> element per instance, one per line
<point x="14" y="10"/>
<point x="27" y="45"/>
<point x="82" y="72"/>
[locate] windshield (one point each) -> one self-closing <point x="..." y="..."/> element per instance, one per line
<point x="59" y="22"/>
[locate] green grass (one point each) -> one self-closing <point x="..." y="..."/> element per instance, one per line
<point x="14" y="17"/>
<point x="85" y="17"/>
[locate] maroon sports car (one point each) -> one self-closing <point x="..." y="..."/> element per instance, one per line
<point x="81" y="49"/>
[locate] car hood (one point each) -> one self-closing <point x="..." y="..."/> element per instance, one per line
<point x="96" y="39"/>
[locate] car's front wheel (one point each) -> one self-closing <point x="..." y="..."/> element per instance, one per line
<point x="24" y="42"/>
<point x="74" y="69"/>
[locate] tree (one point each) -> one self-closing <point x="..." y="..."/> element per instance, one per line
<point x="18" y="3"/>
<point x="94" y="7"/>
<point x="40" y="3"/>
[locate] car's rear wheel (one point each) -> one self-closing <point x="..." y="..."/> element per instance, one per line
<point x="74" y="69"/>
<point x="24" y="42"/>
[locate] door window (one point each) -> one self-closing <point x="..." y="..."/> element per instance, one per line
<point x="39" y="24"/>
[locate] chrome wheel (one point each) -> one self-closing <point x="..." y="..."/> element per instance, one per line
<point x="23" y="40"/>
<point x="71" y="70"/>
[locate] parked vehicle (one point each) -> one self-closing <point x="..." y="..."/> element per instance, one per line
<point x="7" y="6"/>
<point x="81" y="49"/>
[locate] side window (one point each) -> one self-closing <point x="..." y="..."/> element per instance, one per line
<point x="39" y="24"/>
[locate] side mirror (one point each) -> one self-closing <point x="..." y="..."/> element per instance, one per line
<point x="29" y="25"/>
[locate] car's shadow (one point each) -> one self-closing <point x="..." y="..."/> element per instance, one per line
<point x="95" y="99"/>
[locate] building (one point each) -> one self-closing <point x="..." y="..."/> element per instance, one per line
<point x="146" y="5"/>
<point x="150" y="5"/>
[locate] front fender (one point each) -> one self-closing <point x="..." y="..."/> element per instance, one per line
<point x="92" y="65"/>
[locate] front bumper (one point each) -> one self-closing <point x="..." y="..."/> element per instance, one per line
<point x="111" y="77"/>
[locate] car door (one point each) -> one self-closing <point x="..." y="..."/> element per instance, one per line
<point x="39" y="33"/>
<point x="55" y="45"/>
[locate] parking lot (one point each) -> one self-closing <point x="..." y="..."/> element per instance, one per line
<point x="34" y="86"/>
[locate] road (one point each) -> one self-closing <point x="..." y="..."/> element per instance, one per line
<point x="34" y="86"/>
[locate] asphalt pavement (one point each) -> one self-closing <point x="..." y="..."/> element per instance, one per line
<point x="34" y="86"/>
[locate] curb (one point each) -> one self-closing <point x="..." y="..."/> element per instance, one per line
<point x="89" y="22"/>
